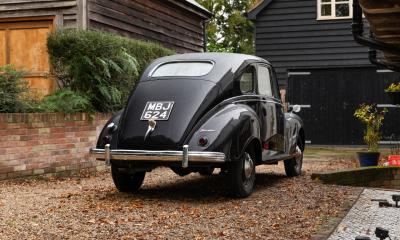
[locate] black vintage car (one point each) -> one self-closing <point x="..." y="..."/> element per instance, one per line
<point x="197" y="112"/>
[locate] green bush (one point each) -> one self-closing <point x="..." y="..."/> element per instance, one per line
<point x="66" y="101"/>
<point x="103" y="66"/>
<point x="14" y="92"/>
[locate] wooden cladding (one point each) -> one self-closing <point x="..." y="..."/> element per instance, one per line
<point x="153" y="20"/>
<point x="67" y="13"/>
<point x="25" y="25"/>
<point x="23" y="44"/>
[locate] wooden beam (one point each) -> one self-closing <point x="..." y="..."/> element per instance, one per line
<point x="82" y="14"/>
<point x="37" y="5"/>
<point x="5" y="2"/>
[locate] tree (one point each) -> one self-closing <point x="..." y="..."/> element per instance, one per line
<point x="229" y="30"/>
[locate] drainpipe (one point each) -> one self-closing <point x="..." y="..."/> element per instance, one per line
<point x="372" y="55"/>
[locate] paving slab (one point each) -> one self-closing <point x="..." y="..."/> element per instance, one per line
<point x="366" y="215"/>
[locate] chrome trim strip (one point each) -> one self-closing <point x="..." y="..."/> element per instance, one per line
<point x="162" y="156"/>
<point x="258" y="100"/>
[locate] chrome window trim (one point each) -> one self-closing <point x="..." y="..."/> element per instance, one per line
<point x="150" y="75"/>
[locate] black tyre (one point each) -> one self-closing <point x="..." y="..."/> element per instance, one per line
<point x="206" y="171"/>
<point x="181" y="171"/>
<point x="293" y="166"/>
<point x="242" y="174"/>
<point x="125" y="181"/>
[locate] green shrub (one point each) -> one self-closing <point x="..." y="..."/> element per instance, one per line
<point x="66" y="101"/>
<point x="101" y="65"/>
<point x="14" y="92"/>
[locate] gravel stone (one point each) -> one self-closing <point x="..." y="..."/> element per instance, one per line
<point x="172" y="207"/>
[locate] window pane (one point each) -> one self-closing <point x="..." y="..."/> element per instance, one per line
<point x="247" y="81"/>
<point x="183" y="69"/>
<point x="342" y="10"/>
<point x="327" y="1"/>
<point x="264" y="81"/>
<point x="326" y="10"/>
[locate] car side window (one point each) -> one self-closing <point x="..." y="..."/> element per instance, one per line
<point x="247" y="80"/>
<point x="264" y="81"/>
<point x="275" y="85"/>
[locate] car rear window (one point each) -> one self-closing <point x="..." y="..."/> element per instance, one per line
<point x="183" y="69"/>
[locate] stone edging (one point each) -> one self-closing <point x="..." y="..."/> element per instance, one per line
<point x="328" y="228"/>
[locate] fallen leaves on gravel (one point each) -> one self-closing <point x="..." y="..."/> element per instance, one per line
<point x="170" y="207"/>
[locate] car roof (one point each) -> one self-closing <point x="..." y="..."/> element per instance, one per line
<point x="223" y="63"/>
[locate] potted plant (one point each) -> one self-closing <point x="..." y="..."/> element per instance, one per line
<point x="373" y="119"/>
<point x="394" y="92"/>
<point x="394" y="157"/>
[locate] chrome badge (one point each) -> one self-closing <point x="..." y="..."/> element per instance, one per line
<point x="152" y="125"/>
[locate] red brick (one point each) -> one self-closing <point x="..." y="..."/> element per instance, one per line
<point x="41" y="141"/>
<point x="6" y="169"/>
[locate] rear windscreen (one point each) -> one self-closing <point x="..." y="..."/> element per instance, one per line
<point x="183" y="69"/>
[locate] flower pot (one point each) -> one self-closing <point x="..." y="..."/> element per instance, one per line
<point x="394" y="97"/>
<point x="394" y="160"/>
<point x="368" y="159"/>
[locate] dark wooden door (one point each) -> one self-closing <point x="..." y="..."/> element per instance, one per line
<point x="330" y="96"/>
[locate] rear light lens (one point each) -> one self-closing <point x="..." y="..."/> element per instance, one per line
<point x="203" y="141"/>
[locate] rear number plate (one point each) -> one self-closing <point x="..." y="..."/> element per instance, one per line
<point x="157" y="111"/>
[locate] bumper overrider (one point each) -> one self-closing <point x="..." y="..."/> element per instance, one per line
<point x="185" y="156"/>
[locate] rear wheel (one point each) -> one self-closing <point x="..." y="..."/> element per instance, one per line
<point x="293" y="166"/>
<point x="125" y="181"/>
<point x="242" y="174"/>
<point x="206" y="171"/>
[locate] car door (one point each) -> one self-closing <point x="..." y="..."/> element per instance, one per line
<point x="271" y="109"/>
<point x="247" y="82"/>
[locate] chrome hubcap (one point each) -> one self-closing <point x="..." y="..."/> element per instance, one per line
<point x="248" y="166"/>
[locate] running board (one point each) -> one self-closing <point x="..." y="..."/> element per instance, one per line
<point x="279" y="157"/>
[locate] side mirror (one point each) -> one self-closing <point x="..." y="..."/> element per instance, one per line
<point x="295" y="108"/>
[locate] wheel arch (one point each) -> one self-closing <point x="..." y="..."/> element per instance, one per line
<point x="255" y="143"/>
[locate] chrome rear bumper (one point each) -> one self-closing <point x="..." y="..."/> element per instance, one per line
<point x="184" y="156"/>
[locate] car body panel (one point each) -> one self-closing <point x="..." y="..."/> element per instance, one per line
<point x="188" y="106"/>
<point x="210" y="106"/>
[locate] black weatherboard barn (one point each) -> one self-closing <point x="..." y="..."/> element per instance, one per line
<point x="311" y="46"/>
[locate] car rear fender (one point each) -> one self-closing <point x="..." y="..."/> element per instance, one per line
<point x="229" y="129"/>
<point x="293" y="131"/>
<point x="109" y="135"/>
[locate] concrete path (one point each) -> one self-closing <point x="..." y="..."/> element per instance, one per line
<point x="366" y="216"/>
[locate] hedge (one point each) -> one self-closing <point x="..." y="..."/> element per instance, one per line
<point x="101" y="65"/>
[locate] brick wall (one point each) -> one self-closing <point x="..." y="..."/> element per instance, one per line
<point x="378" y="177"/>
<point x="43" y="143"/>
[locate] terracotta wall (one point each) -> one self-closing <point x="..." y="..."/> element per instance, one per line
<point x="37" y="143"/>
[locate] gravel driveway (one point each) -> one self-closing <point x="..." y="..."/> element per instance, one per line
<point x="171" y="207"/>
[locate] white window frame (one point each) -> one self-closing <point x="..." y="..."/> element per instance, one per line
<point x="333" y="10"/>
